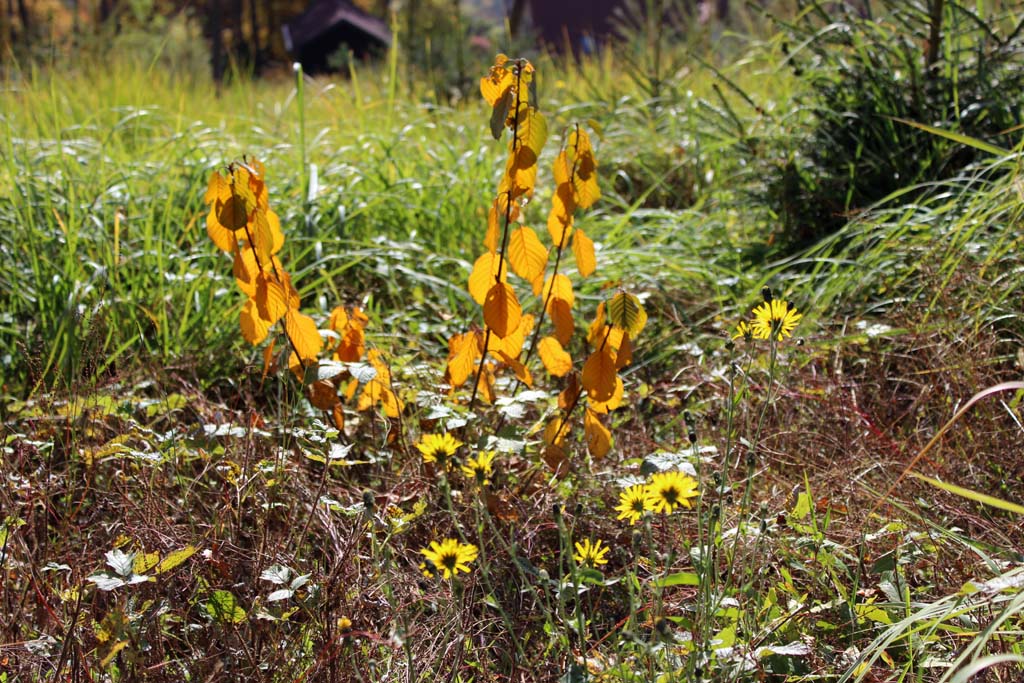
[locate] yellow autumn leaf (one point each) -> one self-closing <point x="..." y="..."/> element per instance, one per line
<point x="624" y="352"/>
<point x="558" y="286"/>
<point x="556" y="360"/>
<point x="512" y="344"/>
<point x="304" y="335"/>
<point x="274" y="297"/>
<point x="217" y="188"/>
<point x="560" y="219"/>
<point x="599" y="375"/>
<point x="498" y="80"/>
<point x="502" y="313"/>
<point x="262" y="236"/>
<point x="246" y="271"/>
<point x="561" y="317"/>
<point x="254" y="328"/>
<point x="221" y="235"/>
<point x="583" y="248"/>
<point x="463" y="352"/>
<point x="521" y="372"/>
<point x="277" y="237"/>
<point x="526" y="254"/>
<point x="486" y="386"/>
<point x="599" y="439"/>
<point x="613" y="402"/>
<point x="376" y="359"/>
<point x="568" y="397"/>
<point x="555" y="431"/>
<point x="484" y="275"/>
<point x="584" y="169"/>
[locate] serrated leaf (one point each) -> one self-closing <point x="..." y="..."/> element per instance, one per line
<point x="120" y="561"/>
<point x="303" y="333"/>
<point x="106" y="581"/>
<point x="526" y="254"/>
<point x="583" y="165"/>
<point x="463" y="352"/>
<point x="280" y="594"/>
<point x="599" y="439"/>
<point x="484" y="275"/>
<point x="558" y="286"/>
<point x="625" y="312"/>
<point x="254" y="328"/>
<point x="223" y="607"/>
<point x="555" y="359"/>
<point x="174" y="559"/>
<point x="599" y="375"/>
<point x="277" y="573"/>
<point x="583" y="248"/>
<point x="501" y="310"/>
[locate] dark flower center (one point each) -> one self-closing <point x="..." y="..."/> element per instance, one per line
<point x="670" y="494"/>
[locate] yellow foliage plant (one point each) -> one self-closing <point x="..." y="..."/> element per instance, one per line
<point x="241" y="223"/>
<point x="513" y="246"/>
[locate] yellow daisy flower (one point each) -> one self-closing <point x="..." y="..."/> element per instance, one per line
<point x="775" y="317"/>
<point x="668" y="490"/>
<point x="479" y="468"/>
<point x="633" y="502"/>
<point x="591" y="555"/>
<point x="438" y="448"/>
<point x="449" y="557"/>
<point x="743" y="330"/>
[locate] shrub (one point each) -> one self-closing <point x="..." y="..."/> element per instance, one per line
<point x="933" y="62"/>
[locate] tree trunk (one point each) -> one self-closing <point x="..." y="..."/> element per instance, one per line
<point x="214" y="28"/>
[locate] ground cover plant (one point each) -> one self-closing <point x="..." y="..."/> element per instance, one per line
<point x="294" y="390"/>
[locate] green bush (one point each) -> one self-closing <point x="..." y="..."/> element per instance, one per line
<point x="936" y="62"/>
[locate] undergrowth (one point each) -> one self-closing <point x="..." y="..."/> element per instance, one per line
<point x="618" y="449"/>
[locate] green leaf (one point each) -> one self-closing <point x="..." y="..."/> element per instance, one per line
<point x="500" y="113"/>
<point x="224" y="608"/>
<point x="957" y="137"/>
<point x="678" y="579"/>
<point x="624" y="311"/>
<point x="172" y="560"/>
<point x="982" y="498"/>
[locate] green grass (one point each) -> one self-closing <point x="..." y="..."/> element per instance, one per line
<point x="136" y="418"/>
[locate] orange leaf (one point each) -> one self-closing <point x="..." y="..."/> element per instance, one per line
<point x="271" y="297"/>
<point x="217" y="188"/>
<point x="262" y="235"/>
<point x="554" y="457"/>
<point x="559" y="286"/>
<point x="246" y="270"/>
<point x="568" y="397"/>
<point x="254" y="328"/>
<point x="303" y="334"/>
<point x="484" y="274"/>
<point x="512" y="345"/>
<point x="498" y="80"/>
<point x="599" y="439"/>
<point x="555" y="432"/>
<point x="556" y="361"/>
<point x="376" y="359"/>
<point x="276" y="236"/>
<point x="220" y="235"/>
<point x="338" y="415"/>
<point x="501" y="310"/>
<point x="526" y="254"/>
<point x="463" y="352"/>
<point x="599" y="375"/>
<point x="612" y="403"/>
<point x="560" y="218"/>
<point x="487" y="383"/>
<point x="561" y="317"/>
<point x="268" y="359"/>
<point x="624" y="354"/>
<point x="323" y="394"/>
<point x="583" y="248"/>
<point x="584" y="167"/>
<point x="339" y="320"/>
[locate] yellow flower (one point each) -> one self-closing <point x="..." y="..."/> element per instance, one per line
<point x="479" y="468"/>
<point x="448" y="558"/>
<point x="633" y="501"/>
<point x="591" y="555"/>
<point x="775" y="317"/>
<point x="438" y="448"/>
<point x="667" y="490"/>
<point x="743" y="330"/>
